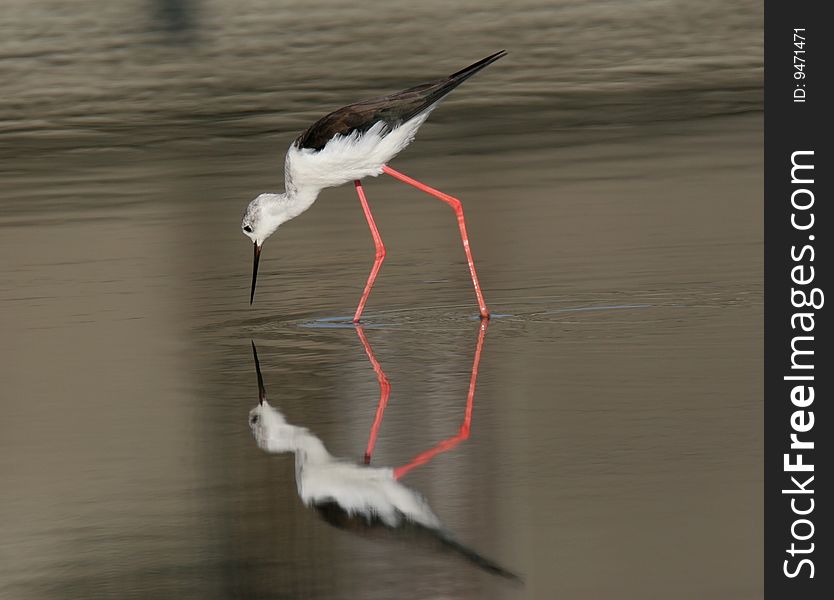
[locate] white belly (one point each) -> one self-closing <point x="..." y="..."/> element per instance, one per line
<point x="348" y="158"/>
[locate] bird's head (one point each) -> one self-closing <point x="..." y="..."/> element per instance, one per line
<point x="268" y="425"/>
<point x="270" y="429"/>
<point x="262" y="217"/>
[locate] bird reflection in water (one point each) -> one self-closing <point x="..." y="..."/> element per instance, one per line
<point x="360" y="497"/>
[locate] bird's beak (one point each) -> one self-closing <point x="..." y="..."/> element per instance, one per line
<point x="261" y="387"/>
<point x="255" y="271"/>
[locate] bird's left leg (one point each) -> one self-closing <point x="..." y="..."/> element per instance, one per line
<point x="463" y="432"/>
<point x="384" y="393"/>
<point x="380" y="250"/>
<point x="458" y="208"/>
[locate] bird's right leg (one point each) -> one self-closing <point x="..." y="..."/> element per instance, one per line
<point x="458" y="208"/>
<point x="380" y="251"/>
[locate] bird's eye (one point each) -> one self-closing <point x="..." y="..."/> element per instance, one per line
<point x="253" y="419"/>
<point x="247" y="229"/>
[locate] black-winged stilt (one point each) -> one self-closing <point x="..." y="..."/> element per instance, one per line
<point x="349" y="495"/>
<point x="350" y="144"/>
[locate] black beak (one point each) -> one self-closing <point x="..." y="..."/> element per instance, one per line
<point x="261" y="388"/>
<point x="255" y="272"/>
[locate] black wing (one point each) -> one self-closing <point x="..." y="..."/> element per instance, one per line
<point x="367" y="524"/>
<point x="393" y="109"/>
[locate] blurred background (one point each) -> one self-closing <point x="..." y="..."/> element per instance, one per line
<point x="611" y="169"/>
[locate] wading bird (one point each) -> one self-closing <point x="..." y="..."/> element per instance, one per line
<point x="351" y="496"/>
<point x="350" y="144"/>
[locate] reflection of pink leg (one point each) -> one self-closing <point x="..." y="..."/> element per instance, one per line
<point x="384" y="392"/>
<point x="463" y="432"/>
<point x="380" y="251"/>
<point x="458" y="208"/>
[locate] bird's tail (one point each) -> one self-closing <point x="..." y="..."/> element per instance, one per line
<point x="455" y="79"/>
<point x="469" y="71"/>
<point x="432" y="93"/>
<point x="490" y="566"/>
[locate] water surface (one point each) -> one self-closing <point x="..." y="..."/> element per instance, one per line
<point x="610" y="168"/>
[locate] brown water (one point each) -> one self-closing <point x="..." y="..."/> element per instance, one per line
<point x="611" y="170"/>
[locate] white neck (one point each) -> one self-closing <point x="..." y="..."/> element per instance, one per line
<point x="308" y="448"/>
<point x="280" y="208"/>
<point x="298" y="199"/>
<point x="274" y="434"/>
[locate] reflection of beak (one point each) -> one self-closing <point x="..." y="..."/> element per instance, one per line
<point x="255" y="272"/>
<point x="261" y="387"/>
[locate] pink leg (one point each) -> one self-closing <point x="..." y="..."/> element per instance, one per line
<point x="458" y="208"/>
<point x="463" y="432"/>
<point x="380" y="251"/>
<point x="384" y="393"/>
